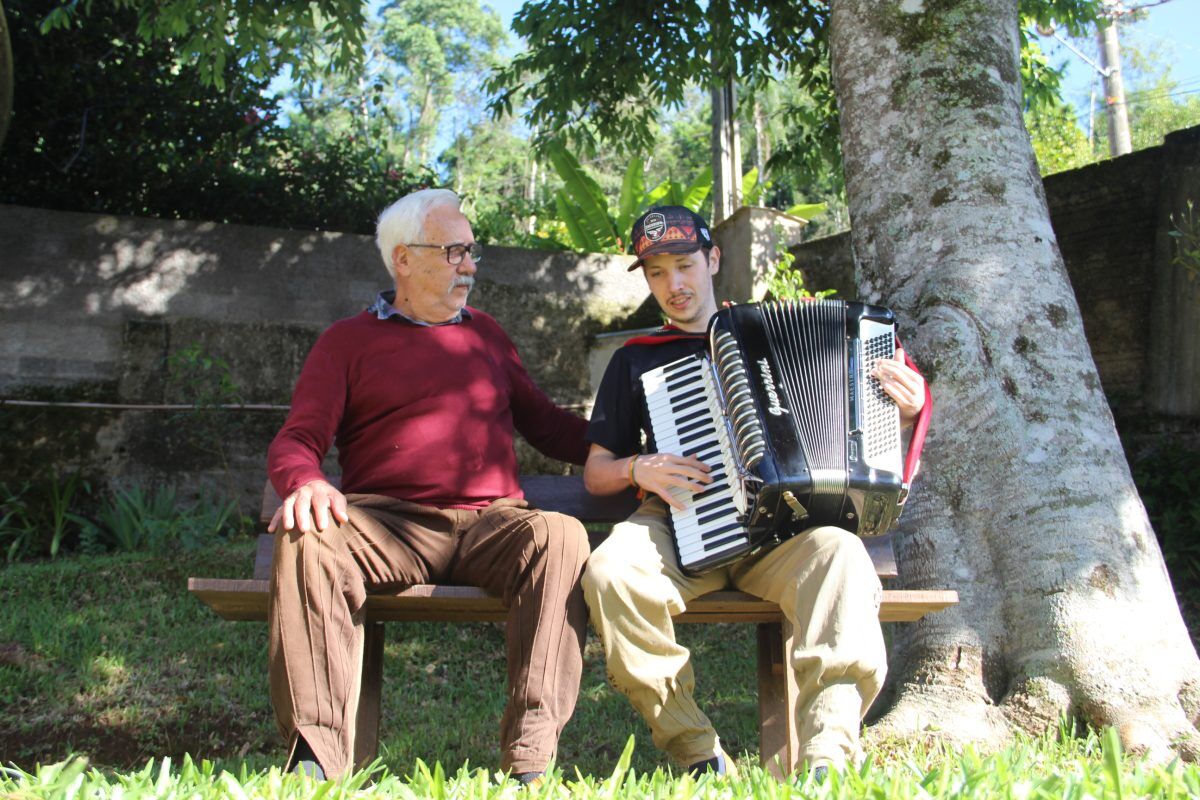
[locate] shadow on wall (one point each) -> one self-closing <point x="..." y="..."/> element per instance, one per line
<point x="95" y="307"/>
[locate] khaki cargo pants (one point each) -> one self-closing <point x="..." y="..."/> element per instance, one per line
<point x="825" y="583"/>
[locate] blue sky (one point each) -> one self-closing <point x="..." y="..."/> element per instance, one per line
<point x="1174" y="27"/>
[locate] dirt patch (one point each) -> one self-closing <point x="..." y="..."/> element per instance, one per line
<point x="14" y="654"/>
<point x="126" y="747"/>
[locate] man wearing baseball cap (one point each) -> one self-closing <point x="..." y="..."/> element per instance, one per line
<point x="823" y="579"/>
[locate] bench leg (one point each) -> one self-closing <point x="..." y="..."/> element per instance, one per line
<point x="778" y="742"/>
<point x="366" y="735"/>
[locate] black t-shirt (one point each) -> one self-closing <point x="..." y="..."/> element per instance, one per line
<point x="620" y="414"/>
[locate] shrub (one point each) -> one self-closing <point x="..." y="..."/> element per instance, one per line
<point x="36" y="516"/>
<point x="156" y="521"/>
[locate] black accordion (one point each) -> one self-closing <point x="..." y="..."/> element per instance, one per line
<point x="797" y="433"/>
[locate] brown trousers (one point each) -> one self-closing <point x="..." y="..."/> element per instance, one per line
<point x="533" y="560"/>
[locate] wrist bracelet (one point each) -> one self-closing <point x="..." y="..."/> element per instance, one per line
<point x="632" y="480"/>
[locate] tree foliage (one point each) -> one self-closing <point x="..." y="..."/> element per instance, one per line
<point x="441" y="45"/>
<point x="177" y="147"/>
<point x="615" y="66"/>
<point x="259" y="37"/>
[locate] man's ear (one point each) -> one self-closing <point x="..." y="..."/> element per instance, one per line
<point x="400" y="265"/>
<point x="714" y="260"/>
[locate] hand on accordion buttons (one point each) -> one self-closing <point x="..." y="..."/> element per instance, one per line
<point x="662" y="472"/>
<point x="901" y="383"/>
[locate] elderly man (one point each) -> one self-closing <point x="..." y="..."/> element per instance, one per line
<point x="421" y="394"/>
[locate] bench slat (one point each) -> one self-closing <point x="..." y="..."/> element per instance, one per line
<point x="247" y="600"/>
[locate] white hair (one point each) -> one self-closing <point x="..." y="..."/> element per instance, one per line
<point x="403" y="221"/>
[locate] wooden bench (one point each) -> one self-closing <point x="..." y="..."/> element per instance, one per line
<point x="246" y="599"/>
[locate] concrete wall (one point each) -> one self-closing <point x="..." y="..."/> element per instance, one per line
<point x="1141" y="312"/>
<point x="93" y="306"/>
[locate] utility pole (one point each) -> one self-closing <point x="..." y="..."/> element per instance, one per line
<point x="1119" y="142"/>
<point x="726" y="152"/>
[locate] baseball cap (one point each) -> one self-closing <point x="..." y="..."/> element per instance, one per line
<point x="668" y="229"/>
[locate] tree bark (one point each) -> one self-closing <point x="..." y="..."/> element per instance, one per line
<point x="6" y="76"/>
<point x="726" y="152"/>
<point x="1025" y="505"/>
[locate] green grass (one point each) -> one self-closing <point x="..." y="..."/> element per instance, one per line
<point x="110" y="658"/>
<point x="1078" y="769"/>
<point x="111" y="674"/>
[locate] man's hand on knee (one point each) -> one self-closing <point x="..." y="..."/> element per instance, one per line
<point x="311" y="508"/>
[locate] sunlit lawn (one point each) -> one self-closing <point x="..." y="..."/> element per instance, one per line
<point x="126" y="686"/>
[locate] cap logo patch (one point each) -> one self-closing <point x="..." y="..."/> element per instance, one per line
<point x="704" y="233"/>
<point x="654" y="226"/>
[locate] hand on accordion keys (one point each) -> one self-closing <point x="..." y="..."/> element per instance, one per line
<point x="903" y="384"/>
<point x="671" y="477"/>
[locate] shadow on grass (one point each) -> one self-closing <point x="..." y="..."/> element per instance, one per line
<point x="109" y="657"/>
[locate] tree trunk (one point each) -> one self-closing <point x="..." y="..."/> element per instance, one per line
<point x="1025" y="504"/>
<point x="6" y="76"/>
<point x="726" y="152"/>
<point x="762" y="142"/>
<point x="426" y="125"/>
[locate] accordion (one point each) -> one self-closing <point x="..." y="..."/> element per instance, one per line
<point x="783" y="409"/>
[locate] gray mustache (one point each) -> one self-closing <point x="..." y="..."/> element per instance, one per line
<point x="464" y="280"/>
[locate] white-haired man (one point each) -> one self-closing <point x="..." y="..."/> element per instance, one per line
<point x="421" y="394"/>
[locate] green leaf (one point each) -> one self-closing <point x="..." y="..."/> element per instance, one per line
<point x="750" y="187"/>
<point x="633" y="192"/>
<point x="656" y="195"/>
<point x="570" y="215"/>
<point x="698" y="192"/>
<point x="586" y="194"/>
<point x="806" y="210"/>
<point x="1111" y="744"/>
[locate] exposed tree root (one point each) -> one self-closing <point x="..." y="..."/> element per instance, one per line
<point x="942" y="713"/>
<point x="959" y="716"/>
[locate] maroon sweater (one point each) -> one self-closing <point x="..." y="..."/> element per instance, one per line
<point x="424" y="414"/>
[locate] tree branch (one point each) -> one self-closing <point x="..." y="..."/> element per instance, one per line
<point x="65" y="168"/>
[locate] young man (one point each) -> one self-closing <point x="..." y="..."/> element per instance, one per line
<point x="422" y="395"/>
<point x="823" y="579"/>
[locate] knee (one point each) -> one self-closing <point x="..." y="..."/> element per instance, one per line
<point x="607" y="572"/>
<point x="837" y="542"/>
<point x="845" y="553"/>
<point x="561" y="540"/>
<point x="311" y="553"/>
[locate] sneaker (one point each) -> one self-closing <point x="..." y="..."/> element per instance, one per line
<point x="529" y="780"/>
<point x="304" y="761"/>
<point x="720" y="764"/>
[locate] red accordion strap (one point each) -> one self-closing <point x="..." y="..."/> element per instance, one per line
<point x="667" y="333"/>
<point x="912" y="461"/>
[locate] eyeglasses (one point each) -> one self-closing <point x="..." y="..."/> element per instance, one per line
<point x="455" y="253"/>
